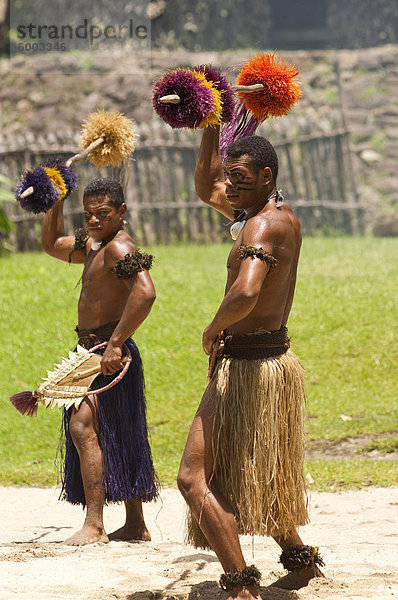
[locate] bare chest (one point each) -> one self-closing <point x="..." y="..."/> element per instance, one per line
<point x="94" y="268"/>
<point x="233" y="263"/>
<point x="97" y="277"/>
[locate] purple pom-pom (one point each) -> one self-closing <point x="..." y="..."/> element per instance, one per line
<point x="69" y="174"/>
<point x="222" y="85"/>
<point x="45" y="193"/>
<point x="25" y="403"/>
<point x="196" y="100"/>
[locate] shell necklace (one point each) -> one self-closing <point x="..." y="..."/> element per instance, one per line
<point x="238" y="224"/>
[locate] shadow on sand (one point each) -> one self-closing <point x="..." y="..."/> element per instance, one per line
<point x="209" y="590"/>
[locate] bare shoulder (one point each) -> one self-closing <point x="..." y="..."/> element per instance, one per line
<point x="270" y="226"/>
<point x="287" y="210"/>
<point x="117" y="248"/>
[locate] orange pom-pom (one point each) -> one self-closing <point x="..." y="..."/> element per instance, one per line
<point x="280" y="92"/>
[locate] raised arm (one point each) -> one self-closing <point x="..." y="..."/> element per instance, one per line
<point x="54" y="241"/>
<point x="209" y="173"/>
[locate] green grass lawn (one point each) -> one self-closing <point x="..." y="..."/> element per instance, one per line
<point x="343" y="326"/>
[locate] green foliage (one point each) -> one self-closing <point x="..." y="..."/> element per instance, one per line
<point x="384" y="446"/>
<point x="347" y="289"/>
<point x="5" y="193"/>
<point x="335" y="475"/>
<point x="4" y="29"/>
<point x="342" y="327"/>
<point x="331" y="96"/>
<point x="6" y="225"/>
<point x="374" y="90"/>
<point x="378" y="142"/>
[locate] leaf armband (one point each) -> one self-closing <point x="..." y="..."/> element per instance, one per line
<point x="81" y="238"/>
<point x="131" y="264"/>
<point x="253" y="252"/>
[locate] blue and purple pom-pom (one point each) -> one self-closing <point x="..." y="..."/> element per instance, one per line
<point x="69" y="174"/>
<point x="45" y="193"/>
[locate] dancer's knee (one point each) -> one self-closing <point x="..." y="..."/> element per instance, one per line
<point x="82" y="433"/>
<point x="185" y="481"/>
<point x="190" y="482"/>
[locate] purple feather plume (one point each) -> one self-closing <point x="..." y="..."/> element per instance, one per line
<point x="222" y="85"/>
<point x="196" y="100"/>
<point x="69" y="174"/>
<point x="243" y="124"/>
<point x="25" y="403"/>
<point x="45" y="193"/>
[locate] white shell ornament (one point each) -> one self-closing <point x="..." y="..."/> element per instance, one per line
<point x="236" y="228"/>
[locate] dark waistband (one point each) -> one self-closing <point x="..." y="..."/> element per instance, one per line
<point x="91" y="337"/>
<point x="252" y="346"/>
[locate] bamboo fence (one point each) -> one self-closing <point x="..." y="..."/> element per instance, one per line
<point x="315" y="174"/>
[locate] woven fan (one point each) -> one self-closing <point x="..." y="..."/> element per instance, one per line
<point x="69" y="382"/>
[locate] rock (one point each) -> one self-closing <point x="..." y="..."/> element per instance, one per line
<point x="35" y="97"/>
<point x="370" y="156"/>
<point x="23" y="105"/>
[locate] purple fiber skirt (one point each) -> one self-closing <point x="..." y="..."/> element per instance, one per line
<point x="123" y="437"/>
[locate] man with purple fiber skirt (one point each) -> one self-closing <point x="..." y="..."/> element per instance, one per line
<point x="107" y="457"/>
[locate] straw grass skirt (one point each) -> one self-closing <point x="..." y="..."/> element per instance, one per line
<point x="258" y="445"/>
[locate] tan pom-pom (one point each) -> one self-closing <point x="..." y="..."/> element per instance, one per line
<point x="117" y="132"/>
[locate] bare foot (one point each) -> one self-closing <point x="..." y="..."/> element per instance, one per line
<point x="244" y="593"/>
<point x="295" y="580"/>
<point x="88" y="534"/>
<point x="130" y="533"/>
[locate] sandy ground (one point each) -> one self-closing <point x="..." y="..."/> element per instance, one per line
<point x="356" y="532"/>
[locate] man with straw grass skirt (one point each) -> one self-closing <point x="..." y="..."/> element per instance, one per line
<point x="107" y="457"/>
<point x="242" y="468"/>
